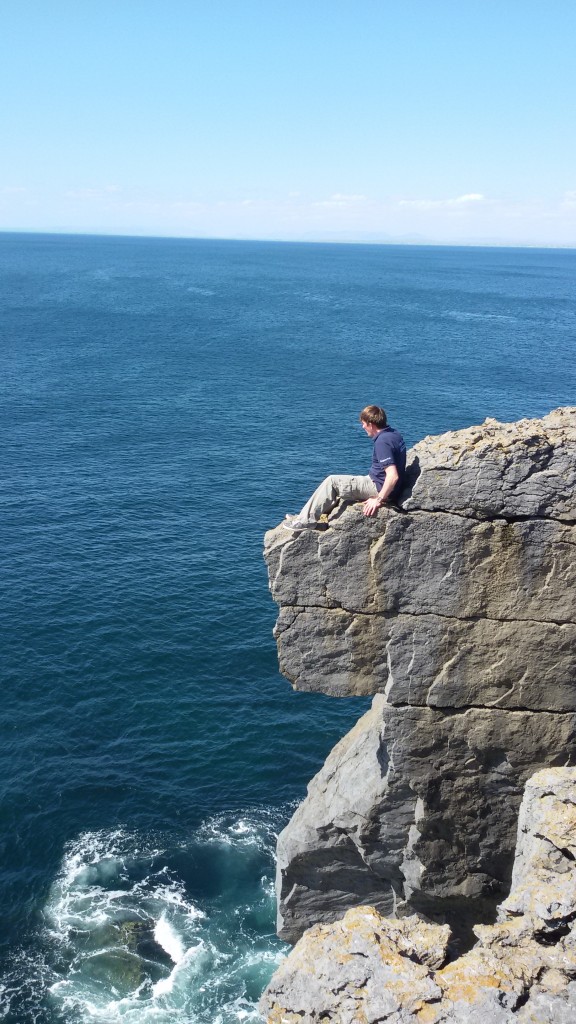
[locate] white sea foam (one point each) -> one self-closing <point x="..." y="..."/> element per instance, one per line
<point x="167" y="937"/>
<point x="189" y="964"/>
<point x="173" y="896"/>
<point x="133" y="942"/>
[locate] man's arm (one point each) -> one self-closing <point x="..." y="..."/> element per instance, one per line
<point x="373" y="504"/>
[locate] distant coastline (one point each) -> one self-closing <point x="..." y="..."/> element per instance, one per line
<point x="391" y="243"/>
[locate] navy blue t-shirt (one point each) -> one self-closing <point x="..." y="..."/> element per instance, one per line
<point x="389" y="450"/>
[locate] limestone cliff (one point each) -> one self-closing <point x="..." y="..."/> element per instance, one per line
<point x="458" y="613"/>
<point x="522" y="970"/>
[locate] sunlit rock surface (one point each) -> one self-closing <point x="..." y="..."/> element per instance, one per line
<point x="522" y="969"/>
<point x="459" y="613"/>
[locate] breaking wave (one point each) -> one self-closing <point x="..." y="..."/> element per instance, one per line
<point x="136" y="931"/>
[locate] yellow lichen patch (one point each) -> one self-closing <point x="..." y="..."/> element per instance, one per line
<point x="467" y="990"/>
<point x="505" y="933"/>
<point x="560" y="826"/>
<point x="468" y="978"/>
<point x="428" y="1014"/>
<point x="278" y="1015"/>
<point x="396" y="962"/>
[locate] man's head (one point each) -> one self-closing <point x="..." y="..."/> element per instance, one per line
<point x="373" y="419"/>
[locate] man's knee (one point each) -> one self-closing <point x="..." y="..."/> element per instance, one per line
<point x="334" y="487"/>
<point x="328" y="483"/>
<point x="339" y="483"/>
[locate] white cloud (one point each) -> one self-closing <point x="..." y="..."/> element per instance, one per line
<point x="469" y="199"/>
<point x="469" y="218"/>
<point x="341" y="199"/>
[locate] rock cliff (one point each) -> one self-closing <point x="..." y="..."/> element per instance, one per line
<point x="522" y="969"/>
<point x="458" y="613"/>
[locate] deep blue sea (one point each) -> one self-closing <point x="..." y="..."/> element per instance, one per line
<point x="164" y="402"/>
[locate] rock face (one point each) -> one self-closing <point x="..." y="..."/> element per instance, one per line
<point x="459" y="614"/>
<point x="522" y="969"/>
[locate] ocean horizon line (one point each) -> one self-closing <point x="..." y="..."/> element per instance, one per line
<point x="398" y="243"/>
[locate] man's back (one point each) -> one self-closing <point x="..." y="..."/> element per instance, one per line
<point x="389" y="450"/>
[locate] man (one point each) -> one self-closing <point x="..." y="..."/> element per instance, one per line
<point x="383" y="482"/>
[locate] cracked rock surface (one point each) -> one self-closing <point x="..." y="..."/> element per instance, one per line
<point x="458" y="613"/>
<point x="522" y="970"/>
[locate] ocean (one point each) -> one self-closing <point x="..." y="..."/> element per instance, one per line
<point x="164" y="402"/>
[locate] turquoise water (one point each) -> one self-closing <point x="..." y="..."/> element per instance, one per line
<point x="163" y="403"/>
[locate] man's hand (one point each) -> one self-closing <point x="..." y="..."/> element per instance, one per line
<point x="371" y="506"/>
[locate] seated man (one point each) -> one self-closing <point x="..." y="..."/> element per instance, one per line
<point x="384" y="481"/>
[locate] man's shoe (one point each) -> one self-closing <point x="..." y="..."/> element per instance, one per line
<point x="296" y="525"/>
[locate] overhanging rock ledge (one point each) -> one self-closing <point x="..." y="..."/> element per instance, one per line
<point x="458" y="613"/>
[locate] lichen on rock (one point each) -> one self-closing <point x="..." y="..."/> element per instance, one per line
<point x="364" y="968"/>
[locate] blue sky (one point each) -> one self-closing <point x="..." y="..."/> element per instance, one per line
<point x="437" y="120"/>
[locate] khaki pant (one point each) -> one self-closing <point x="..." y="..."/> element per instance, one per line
<point x="334" y="489"/>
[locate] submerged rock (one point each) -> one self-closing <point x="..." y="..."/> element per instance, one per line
<point x="139" y="936"/>
<point x="122" y="954"/>
<point x="458" y="613"/>
<point x="522" y="969"/>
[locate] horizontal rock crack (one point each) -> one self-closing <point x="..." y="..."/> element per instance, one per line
<point x="450" y="710"/>
<point x="482" y="518"/>
<point x="298" y="609"/>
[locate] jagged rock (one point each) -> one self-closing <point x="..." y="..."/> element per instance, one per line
<point x="500" y="469"/>
<point x="459" y="613"/>
<point x="523" y="969"/>
<point x="543" y="879"/>
<point x="417" y="808"/>
<point x="361" y="968"/>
